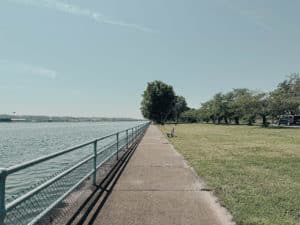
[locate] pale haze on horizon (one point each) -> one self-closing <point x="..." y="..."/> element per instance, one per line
<point x="94" y="58"/>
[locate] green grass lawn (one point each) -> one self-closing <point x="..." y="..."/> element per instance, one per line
<point x="255" y="172"/>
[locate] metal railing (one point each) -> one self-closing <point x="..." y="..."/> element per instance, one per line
<point x="33" y="205"/>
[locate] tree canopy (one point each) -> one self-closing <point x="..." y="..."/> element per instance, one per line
<point x="158" y="102"/>
<point x="244" y="104"/>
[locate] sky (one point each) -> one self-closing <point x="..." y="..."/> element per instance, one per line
<point x="94" y="58"/>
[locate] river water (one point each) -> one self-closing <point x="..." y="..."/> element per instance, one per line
<point x="21" y="142"/>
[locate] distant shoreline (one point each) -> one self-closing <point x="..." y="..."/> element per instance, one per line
<point x="48" y="119"/>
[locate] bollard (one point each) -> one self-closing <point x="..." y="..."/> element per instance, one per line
<point x="95" y="164"/>
<point x="3" y="175"/>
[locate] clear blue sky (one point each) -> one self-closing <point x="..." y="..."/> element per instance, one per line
<point x="94" y="58"/>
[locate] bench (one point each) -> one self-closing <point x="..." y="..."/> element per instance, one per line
<point x="172" y="133"/>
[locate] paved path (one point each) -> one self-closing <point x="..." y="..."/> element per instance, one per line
<point x="158" y="188"/>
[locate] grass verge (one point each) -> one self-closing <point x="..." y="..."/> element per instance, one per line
<point x="255" y="172"/>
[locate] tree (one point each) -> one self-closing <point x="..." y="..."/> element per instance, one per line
<point x="229" y="107"/>
<point x="206" y="112"/>
<point x="180" y="107"/>
<point x="249" y="107"/>
<point x="237" y="103"/>
<point x="285" y="99"/>
<point x="263" y="107"/>
<point x="158" y="102"/>
<point x="190" y="116"/>
<point x="220" y="107"/>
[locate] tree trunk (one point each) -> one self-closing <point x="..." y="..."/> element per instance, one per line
<point x="237" y="120"/>
<point x="214" y="120"/>
<point x="249" y="122"/>
<point x="264" y="121"/>
<point x="226" y="120"/>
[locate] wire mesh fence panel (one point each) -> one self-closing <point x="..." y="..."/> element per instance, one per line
<point x="33" y="206"/>
<point x="23" y="181"/>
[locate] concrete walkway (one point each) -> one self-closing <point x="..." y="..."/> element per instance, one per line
<point x="158" y="188"/>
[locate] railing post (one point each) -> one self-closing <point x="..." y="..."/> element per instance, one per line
<point x="132" y="135"/>
<point x="117" y="146"/>
<point x="3" y="175"/>
<point x="127" y="140"/>
<point x="95" y="164"/>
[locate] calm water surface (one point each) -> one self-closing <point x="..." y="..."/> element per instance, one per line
<point x="20" y="142"/>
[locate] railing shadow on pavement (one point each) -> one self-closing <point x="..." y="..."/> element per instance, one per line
<point x="103" y="191"/>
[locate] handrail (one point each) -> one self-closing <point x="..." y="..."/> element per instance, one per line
<point x="25" y="165"/>
<point x="121" y="142"/>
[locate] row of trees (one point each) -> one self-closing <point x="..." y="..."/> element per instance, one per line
<point x="161" y="104"/>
